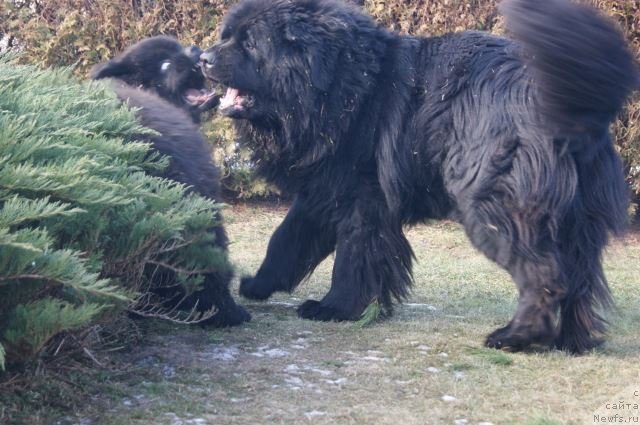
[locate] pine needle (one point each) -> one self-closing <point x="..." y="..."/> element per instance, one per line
<point x="370" y="315"/>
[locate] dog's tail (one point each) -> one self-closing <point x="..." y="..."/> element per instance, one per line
<point x="582" y="66"/>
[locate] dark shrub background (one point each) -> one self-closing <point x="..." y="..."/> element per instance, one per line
<point x="80" y="33"/>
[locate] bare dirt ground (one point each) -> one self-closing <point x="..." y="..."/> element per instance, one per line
<point x="425" y="365"/>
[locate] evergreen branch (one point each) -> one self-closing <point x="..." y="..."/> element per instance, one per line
<point x="31" y="276"/>
<point x="180" y="270"/>
<point x="80" y="211"/>
<point x="144" y="307"/>
<point x="17" y="210"/>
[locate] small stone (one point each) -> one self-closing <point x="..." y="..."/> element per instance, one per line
<point x="292" y="380"/>
<point x="276" y="352"/>
<point x="319" y="371"/>
<point x="292" y="368"/>
<point x="373" y="358"/>
<point x="449" y="398"/>
<point x="314" y="413"/>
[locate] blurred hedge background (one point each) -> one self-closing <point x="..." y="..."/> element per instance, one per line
<point x="84" y="32"/>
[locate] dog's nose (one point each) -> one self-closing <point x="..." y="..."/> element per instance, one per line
<point x="193" y="52"/>
<point x="207" y="57"/>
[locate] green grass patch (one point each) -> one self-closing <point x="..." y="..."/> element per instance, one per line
<point x="492" y="356"/>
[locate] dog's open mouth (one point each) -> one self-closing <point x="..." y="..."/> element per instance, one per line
<point x="196" y="97"/>
<point x="235" y="100"/>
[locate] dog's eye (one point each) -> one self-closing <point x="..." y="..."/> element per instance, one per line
<point x="165" y="66"/>
<point x="249" y="45"/>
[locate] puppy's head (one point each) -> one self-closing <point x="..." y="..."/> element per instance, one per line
<point x="162" y="65"/>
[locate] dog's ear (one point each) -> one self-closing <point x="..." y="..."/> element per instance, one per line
<point x="108" y="69"/>
<point x="323" y="62"/>
<point x="295" y="31"/>
<point x="322" y="57"/>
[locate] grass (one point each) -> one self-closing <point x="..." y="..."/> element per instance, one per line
<point x="493" y="356"/>
<point x="425" y="365"/>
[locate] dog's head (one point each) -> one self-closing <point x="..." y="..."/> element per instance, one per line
<point x="288" y="57"/>
<point x="162" y="65"/>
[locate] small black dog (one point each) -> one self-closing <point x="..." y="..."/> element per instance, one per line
<point x="162" y="79"/>
<point x="373" y="130"/>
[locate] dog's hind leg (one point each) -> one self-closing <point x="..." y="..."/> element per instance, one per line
<point x="581" y="324"/>
<point x="297" y="246"/>
<point x="600" y="208"/>
<point x="535" y="320"/>
<point x="373" y="263"/>
<point x="523" y="243"/>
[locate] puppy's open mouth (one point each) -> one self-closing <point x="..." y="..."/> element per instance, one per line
<point x="196" y="97"/>
<point x="235" y="100"/>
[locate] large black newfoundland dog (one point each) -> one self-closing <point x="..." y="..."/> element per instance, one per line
<point x="373" y="130"/>
<point x="162" y="79"/>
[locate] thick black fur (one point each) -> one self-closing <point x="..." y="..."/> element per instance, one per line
<point x="373" y="131"/>
<point x="163" y="66"/>
<point x="191" y="164"/>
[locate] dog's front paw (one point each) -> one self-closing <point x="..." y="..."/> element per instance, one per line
<point x="512" y="338"/>
<point x="252" y="288"/>
<point x="225" y="318"/>
<point x="316" y="310"/>
<point x="498" y="339"/>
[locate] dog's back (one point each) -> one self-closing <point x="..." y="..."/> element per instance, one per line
<point x="179" y="138"/>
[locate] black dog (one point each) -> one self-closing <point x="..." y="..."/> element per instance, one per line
<point x="372" y="131"/>
<point x="163" y="66"/>
<point x="180" y="139"/>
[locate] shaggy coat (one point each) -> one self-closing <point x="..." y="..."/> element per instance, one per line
<point x="373" y="131"/>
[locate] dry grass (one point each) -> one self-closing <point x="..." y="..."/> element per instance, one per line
<point x="426" y="365"/>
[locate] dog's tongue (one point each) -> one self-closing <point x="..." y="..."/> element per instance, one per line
<point x="229" y="98"/>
